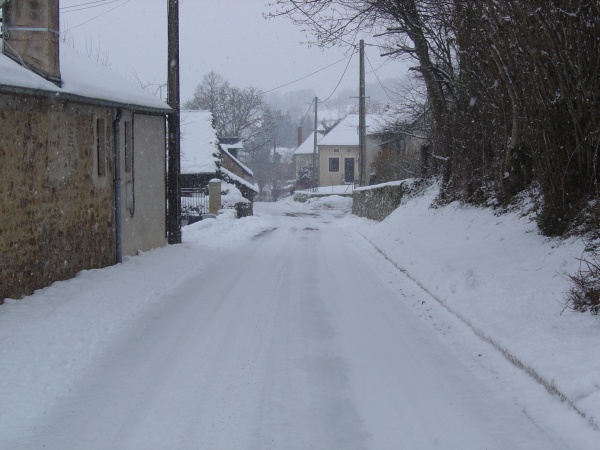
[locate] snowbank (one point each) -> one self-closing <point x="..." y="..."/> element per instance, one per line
<point x="504" y="280"/>
<point x="330" y="202"/>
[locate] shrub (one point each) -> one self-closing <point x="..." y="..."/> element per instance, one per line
<point x="584" y="294"/>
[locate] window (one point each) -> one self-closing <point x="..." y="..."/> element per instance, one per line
<point x="101" y="147"/>
<point x="128" y="147"/>
<point x="334" y="164"/>
<point x="336" y="150"/>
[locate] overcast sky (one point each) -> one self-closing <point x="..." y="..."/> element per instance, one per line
<point x="230" y="37"/>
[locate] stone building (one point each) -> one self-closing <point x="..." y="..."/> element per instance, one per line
<point x="82" y="158"/>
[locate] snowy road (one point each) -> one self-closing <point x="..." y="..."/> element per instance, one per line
<point x="295" y="340"/>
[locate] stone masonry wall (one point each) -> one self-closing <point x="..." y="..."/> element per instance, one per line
<point x="56" y="213"/>
<point x="228" y="164"/>
<point x="377" y="202"/>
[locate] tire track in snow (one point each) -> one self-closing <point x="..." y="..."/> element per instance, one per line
<point x="508" y="355"/>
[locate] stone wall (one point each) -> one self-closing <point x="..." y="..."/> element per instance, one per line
<point x="228" y="164"/>
<point x="56" y="212"/>
<point x="377" y="202"/>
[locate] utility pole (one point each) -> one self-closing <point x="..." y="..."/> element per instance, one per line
<point x="174" y="163"/>
<point x="314" y="159"/>
<point x="362" y="129"/>
<point x="275" y="183"/>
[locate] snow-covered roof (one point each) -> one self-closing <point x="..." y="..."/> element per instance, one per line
<point x="199" y="142"/>
<point x="346" y="132"/>
<point x="82" y="78"/>
<point x="231" y="143"/>
<point x="235" y="160"/>
<point x="233" y="177"/>
<point x="307" y="146"/>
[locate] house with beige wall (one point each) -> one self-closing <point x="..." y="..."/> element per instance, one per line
<point x="82" y="158"/>
<point x="339" y="156"/>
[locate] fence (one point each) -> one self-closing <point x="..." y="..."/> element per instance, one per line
<point x="194" y="203"/>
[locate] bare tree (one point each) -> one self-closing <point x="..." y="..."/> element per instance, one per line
<point x="419" y="30"/>
<point x="511" y="87"/>
<point x="235" y="111"/>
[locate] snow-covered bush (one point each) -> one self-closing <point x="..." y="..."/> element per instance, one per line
<point x="584" y="294"/>
<point x="232" y="198"/>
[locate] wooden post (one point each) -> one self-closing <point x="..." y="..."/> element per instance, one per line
<point x="173" y="190"/>
<point x="362" y="110"/>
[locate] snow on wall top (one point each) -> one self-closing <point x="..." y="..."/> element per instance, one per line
<point x="346" y="132"/>
<point x="233" y="177"/>
<point x="81" y="76"/>
<point x="199" y="142"/>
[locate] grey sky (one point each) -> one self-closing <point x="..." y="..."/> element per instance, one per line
<point x="227" y="36"/>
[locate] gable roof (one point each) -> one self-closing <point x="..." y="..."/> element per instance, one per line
<point x="346" y="132"/>
<point x="83" y="80"/>
<point x="307" y="147"/>
<point x="237" y="162"/>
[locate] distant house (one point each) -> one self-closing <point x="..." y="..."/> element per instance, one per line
<point x="82" y="173"/>
<point x="203" y="157"/>
<point x="339" y="160"/>
<point x="404" y="150"/>
<point x="303" y="159"/>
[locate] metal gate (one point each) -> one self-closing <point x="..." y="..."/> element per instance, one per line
<point x="194" y="203"/>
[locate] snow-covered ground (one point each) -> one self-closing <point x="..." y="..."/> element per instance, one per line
<point x="285" y="352"/>
<point x="506" y="282"/>
<point x="342" y="189"/>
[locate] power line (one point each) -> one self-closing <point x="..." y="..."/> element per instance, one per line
<point x="342" y="77"/>
<point x="378" y="80"/>
<point x="88" y="5"/>
<point x="307" y="111"/>
<point x="306" y="76"/>
<point x="95" y="17"/>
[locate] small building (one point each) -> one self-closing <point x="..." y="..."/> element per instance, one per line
<point x="339" y="158"/>
<point x="204" y="158"/>
<point x="82" y="151"/>
<point x="404" y="150"/>
<point x="303" y="161"/>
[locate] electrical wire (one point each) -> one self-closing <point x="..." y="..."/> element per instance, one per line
<point x="342" y="77"/>
<point x="84" y="4"/>
<point x="305" y="115"/>
<point x="306" y="76"/>
<point x="95" y="17"/>
<point x="378" y="80"/>
<point x="89" y="5"/>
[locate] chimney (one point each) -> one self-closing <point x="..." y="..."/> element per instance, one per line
<point x="299" y="136"/>
<point x="32" y="37"/>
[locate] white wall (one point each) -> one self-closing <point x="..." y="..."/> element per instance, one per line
<point x="144" y="227"/>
